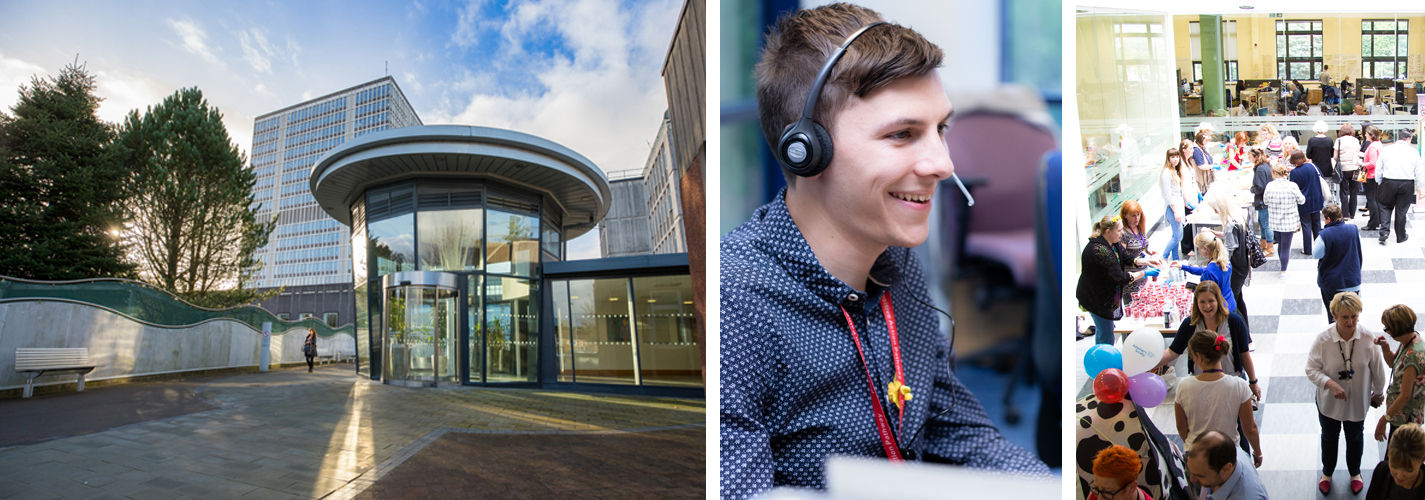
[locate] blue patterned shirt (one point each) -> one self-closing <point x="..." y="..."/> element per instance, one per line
<point x="793" y="389"/>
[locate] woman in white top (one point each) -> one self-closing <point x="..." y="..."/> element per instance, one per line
<point x="1348" y="162"/>
<point x="1213" y="401"/>
<point x="1349" y="375"/>
<point x="1171" y="182"/>
<point x="1282" y="196"/>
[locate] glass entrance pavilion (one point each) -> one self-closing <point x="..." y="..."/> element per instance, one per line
<point x="452" y="230"/>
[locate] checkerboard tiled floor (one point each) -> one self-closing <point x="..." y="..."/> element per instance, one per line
<point x="1285" y="314"/>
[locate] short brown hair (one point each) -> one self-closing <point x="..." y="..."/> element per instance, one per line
<point x="1406" y="449"/>
<point x="801" y="41"/>
<point x="1297" y="158"/>
<point x="1331" y="212"/>
<point x="1210" y="346"/>
<point x="1118" y="462"/>
<point x="1398" y="320"/>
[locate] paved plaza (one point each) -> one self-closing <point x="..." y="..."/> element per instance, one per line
<point x="331" y="434"/>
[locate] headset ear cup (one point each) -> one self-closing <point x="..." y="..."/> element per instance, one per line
<point x="823" y="150"/>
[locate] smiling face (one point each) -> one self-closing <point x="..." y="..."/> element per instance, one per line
<point x="1207" y="305"/>
<point x="890" y="155"/>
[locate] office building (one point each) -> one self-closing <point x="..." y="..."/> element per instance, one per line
<point x="308" y="252"/>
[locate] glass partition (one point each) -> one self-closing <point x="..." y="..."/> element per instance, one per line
<point x="450" y="240"/>
<point x="602" y="332"/>
<point x="475" y="323"/>
<point x="667" y="331"/>
<point x="563" y="330"/>
<point x="511" y="329"/>
<point x="1128" y="109"/>
<point x="514" y="243"/>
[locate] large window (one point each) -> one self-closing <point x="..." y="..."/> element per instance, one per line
<point x="450" y="239"/>
<point x="1229" y="49"/>
<point x="511" y="329"/>
<point x="667" y="331"/>
<point x="1299" y="49"/>
<point x="1136" y="46"/>
<point x="602" y="331"/>
<point x="393" y="244"/>
<point x="1384" y="48"/>
<point x="514" y="242"/>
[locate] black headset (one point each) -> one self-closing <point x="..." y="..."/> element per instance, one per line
<point x="805" y="147"/>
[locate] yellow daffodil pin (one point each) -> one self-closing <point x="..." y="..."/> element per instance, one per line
<point x="898" y="393"/>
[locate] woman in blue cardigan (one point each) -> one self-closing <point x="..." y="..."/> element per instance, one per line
<point x="1217" y="270"/>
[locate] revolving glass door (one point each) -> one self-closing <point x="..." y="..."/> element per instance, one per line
<point x="421" y="328"/>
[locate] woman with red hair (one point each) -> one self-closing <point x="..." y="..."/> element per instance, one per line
<point x="1135" y="242"/>
<point x="1115" y="475"/>
<point x="1237" y="151"/>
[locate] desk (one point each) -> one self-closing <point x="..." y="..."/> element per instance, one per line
<point x="1192" y="105"/>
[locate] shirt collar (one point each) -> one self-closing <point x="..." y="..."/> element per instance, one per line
<point x="1233" y="483"/>
<point x="1359" y="334"/>
<point x="785" y="242"/>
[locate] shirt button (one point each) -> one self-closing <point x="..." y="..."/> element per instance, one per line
<point x="853" y="297"/>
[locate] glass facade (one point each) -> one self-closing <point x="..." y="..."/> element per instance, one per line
<point x="486" y="321"/>
<point x="627" y="331"/>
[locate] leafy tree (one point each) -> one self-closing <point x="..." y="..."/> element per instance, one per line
<point x="61" y="188"/>
<point x="195" y="229"/>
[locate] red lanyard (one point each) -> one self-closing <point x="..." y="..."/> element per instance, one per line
<point x="898" y="393"/>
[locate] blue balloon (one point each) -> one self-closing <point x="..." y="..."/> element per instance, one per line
<point x="1101" y="357"/>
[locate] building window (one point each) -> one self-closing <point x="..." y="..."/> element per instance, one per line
<point x="284" y="316"/>
<point x="1384" y="48"/>
<point x="330" y="319"/>
<point x="1299" y="49"/>
<point x="1137" y="46"/>
<point x="1229" y="49"/>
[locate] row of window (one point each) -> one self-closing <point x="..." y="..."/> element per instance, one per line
<point x="373" y="120"/>
<point x="302" y="164"/>
<point x="333" y="117"/>
<point x="285" y="230"/>
<point x="330" y="318"/>
<point x="1300" y="49"/>
<point x="311" y="240"/>
<point x="316" y="110"/>
<point x="307" y="254"/>
<point x="295" y="200"/>
<point x="263" y="149"/>
<point x="379" y="127"/>
<point x="372" y="93"/>
<point x="266" y="125"/>
<point x="366" y="109"/>
<point x="306" y="269"/>
<point x="323" y="133"/>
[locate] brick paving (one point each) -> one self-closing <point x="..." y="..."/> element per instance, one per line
<point x="329" y="434"/>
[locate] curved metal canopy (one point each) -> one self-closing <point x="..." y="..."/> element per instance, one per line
<point x="576" y="185"/>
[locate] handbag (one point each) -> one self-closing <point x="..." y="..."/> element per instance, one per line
<point x="308" y="349"/>
<point x="1255" y="256"/>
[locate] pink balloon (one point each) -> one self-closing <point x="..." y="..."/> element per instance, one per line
<point x="1110" y="385"/>
<point x="1147" y="389"/>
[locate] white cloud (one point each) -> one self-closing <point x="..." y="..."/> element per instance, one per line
<point x="13" y="73"/>
<point x="255" y="50"/>
<point x="195" y="40"/>
<point x="605" y="102"/>
<point x="124" y="91"/>
<point x="412" y="82"/>
<point x="468" y="24"/>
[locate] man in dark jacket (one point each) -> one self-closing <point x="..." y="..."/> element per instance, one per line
<point x="1308" y="179"/>
<point x="1338" y="254"/>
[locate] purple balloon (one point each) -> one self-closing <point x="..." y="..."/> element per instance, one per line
<point x="1147" y="389"/>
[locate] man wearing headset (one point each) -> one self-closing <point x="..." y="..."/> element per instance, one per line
<point x="828" y="342"/>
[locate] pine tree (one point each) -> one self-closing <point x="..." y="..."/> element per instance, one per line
<point x="61" y="188"/>
<point x="196" y="231"/>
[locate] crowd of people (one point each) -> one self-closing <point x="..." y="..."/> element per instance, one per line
<point x="1313" y="189"/>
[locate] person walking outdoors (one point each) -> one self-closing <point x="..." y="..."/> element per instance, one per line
<point x="1321" y="150"/>
<point x="1308" y="179"/>
<point x="1213" y="401"/>
<point x="1402" y="473"/>
<point x="309" y="349"/>
<point x="1347" y="155"/>
<point x="1338" y="254"/>
<point x="1261" y="176"/>
<point x="1100" y="287"/>
<point x="1398" y="169"/>
<point x="1349" y="375"/>
<point x="1405" y="399"/>
<point x="1282" y="199"/>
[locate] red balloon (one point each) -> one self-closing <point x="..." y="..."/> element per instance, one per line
<point x="1110" y="385"/>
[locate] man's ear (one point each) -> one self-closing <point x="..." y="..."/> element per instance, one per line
<point x="1228" y="469"/>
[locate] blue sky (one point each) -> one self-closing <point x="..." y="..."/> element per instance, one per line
<point x="583" y="73"/>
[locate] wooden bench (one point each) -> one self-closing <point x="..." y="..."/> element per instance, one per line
<point x="35" y="361"/>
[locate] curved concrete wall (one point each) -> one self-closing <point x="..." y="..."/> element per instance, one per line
<point x="122" y="347"/>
